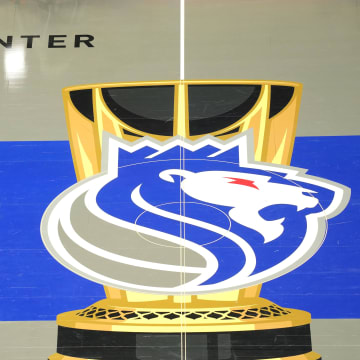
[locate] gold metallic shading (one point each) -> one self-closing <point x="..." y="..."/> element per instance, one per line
<point x="273" y="137"/>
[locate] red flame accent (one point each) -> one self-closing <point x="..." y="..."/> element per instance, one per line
<point x="245" y="182"/>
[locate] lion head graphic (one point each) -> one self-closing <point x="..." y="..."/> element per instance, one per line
<point x="205" y="210"/>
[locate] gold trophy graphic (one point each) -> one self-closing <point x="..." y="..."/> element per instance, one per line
<point x="195" y="321"/>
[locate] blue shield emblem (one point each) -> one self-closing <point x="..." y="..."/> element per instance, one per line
<point x="194" y="217"/>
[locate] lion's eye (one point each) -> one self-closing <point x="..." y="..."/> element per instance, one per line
<point x="244" y="182"/>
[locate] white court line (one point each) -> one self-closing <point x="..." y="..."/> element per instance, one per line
<point x="182" y="77"/>
<point x="182" y="39"/>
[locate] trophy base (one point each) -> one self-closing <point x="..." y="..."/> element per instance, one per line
<point x="309" y="356"/>
<point x="108" y="330"/>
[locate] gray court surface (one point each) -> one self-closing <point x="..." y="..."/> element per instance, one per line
<point x="35" y="340"/>
<point x="312" y="42"/>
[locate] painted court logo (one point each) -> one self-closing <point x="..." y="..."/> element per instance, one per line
<point x="196" y="217"/>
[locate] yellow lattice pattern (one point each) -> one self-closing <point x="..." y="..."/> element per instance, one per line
<point x="272" y="310"/>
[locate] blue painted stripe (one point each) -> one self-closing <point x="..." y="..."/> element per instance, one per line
<point x="35" y="287"/>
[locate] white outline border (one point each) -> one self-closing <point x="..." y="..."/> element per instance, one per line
<point x="316" y="222"/>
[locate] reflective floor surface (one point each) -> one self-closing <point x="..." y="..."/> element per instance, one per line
<point x="315" y="43"/>
<point x="35" y="340"/>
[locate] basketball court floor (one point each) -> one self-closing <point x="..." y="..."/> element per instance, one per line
<point x="311" y="42"/>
